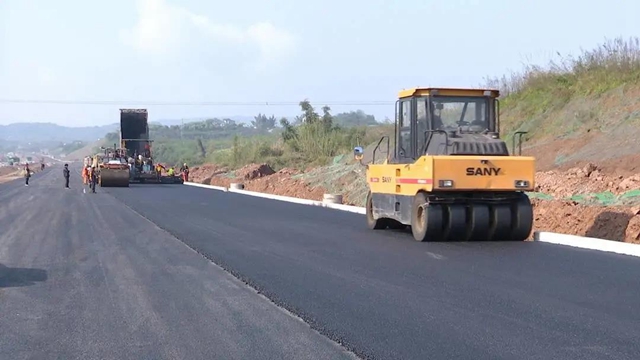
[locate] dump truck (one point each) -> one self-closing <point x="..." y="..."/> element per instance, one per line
<point x="449" y="176"/>
<point x="136" y="144"/>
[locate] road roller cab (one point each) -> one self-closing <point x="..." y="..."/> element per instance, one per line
<point x="449" y="175"/>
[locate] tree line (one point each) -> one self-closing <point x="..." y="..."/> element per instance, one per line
<point x="307" y="135"/>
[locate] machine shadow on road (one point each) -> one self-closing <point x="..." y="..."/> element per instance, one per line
<point x="602" y="229"/>
<point x="19" y="277"/>
<point x="406" y="231"/>
<point x="146" y="185"/>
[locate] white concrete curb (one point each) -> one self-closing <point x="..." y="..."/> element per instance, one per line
<point x="588" y="243"/>
<point x="541" y="236"/>
<point x="219" y="188"/>
<point x="277" y="197"/>
<point x="349" y="208"/>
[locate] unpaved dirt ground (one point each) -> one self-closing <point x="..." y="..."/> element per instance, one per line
<point x="619" y="223"/>
<point x="258" y="177"/>
<point x="8" y="173"/>
<point x="555" y="210"/>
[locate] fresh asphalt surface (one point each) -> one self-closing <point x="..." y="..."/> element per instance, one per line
<point x="84" y="277"/>
<point x="133" y="291"/>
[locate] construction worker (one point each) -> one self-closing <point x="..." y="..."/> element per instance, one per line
<point x="93" y="178"/>
<point x="67" y="174"/>
<point x="185" y="172"/>
<point x="27" y="174"/>
<point x="85" y="175"/>
<point x="159" y="169"/>
<point x="171" y="172"/>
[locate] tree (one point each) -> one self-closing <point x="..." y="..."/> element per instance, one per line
<point x="203" y="152"/>
<point x="289" y="132"/>
<point x="327" y="119"/>
<point x="263" y="123"/>
<point x="309" y="114"/>
<point x="354" y="118"/>
<point x="236" y="150"/>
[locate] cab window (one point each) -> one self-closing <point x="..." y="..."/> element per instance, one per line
<point x="404" y="131"/>
<point x="421" y="123"/>
<point x="452" y="112"/>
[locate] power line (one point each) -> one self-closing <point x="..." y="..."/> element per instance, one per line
<point x="191" y="103"/>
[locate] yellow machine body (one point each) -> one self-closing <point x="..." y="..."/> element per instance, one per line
<point x="449" y="173"/>
<point x="450" y="177"/>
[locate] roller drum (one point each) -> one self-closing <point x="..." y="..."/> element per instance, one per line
<point x="114" y="178"/>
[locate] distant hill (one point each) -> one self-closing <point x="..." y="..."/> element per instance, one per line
<point x="237" y="118"/>
<point x="87" y="150"/>
<point x="36" y="132"/>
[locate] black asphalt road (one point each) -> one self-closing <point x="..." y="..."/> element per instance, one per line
<point x="386" y="296"/>
<point x="84" y="277"/>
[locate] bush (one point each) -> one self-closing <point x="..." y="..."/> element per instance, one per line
<point x="611" y="64"/>
<point x="533" y="99"/>
<point x="312" y="141"/>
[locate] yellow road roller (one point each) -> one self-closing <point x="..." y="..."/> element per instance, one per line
<point x="449" y="175"/>
<point x="113" y="170"/>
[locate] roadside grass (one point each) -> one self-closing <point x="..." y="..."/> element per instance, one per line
<point x="532" y="99"/>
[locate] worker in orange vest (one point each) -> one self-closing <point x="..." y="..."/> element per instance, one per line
<point x="85" y="175"/>
<point x="185" y="172"/>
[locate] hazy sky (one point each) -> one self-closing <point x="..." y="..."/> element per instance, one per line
<point x="275" y="50"/>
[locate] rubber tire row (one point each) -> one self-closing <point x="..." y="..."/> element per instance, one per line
<point x="457" y="222"/>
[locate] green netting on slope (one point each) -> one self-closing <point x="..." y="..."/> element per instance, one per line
<point x="340" y="177"/>
<point x="541" y="196"/>
<point x="338" y="159"/>
<point x="608" y="198"/>
<point x="630" y="194"/>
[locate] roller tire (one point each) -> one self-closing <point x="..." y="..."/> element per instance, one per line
<point x="479" y="223"/>
<point x="501" y="229"/>
<point x="522" y="215"/>
<point x="373" y="223"/>
<point x="426" y="219"/>
<point x="455" y="220"/>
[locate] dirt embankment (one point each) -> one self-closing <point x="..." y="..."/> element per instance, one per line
<point x="8" y="173"/>
<point x="587" y="179"/>
<point x="260" y="178"/>
<point x="620" y="223"/>
<point x="589" y="201"/>
<point x="585" y="201"/>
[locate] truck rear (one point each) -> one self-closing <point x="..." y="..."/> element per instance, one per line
<point x="134" y="131"/>
<point x="135" y="139"/>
